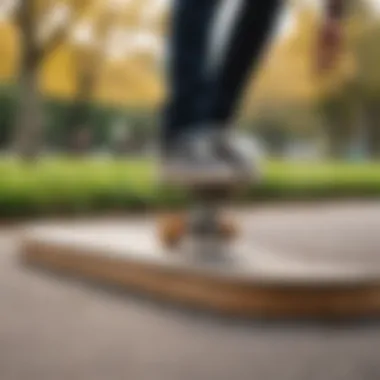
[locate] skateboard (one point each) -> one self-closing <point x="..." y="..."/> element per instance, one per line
<point x="204" y="220"/>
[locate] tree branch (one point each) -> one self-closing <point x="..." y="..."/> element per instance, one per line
<point x="60" y="35"/>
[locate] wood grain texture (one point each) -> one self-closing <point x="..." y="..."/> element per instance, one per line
<point x="226" y="296"/>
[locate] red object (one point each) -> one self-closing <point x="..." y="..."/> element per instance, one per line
<point x="329" y="45"/>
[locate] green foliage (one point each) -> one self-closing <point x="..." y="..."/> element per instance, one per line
<point x="62" y="118"/>
<point x="7" y="114"/>
<point x="68" y="186"/>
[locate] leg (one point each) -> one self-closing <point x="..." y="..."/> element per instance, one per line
<point x="187" y="81"/>
<point x="243" y="53"/>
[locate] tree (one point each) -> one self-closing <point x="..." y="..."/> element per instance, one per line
<point x="368" y="80"/>
<point x="90" y="56"/>
<point x="340" y="94"/>
<point x="43" y="25"/>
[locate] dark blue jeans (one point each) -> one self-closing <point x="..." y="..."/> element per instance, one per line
<point x="198" y="97"/>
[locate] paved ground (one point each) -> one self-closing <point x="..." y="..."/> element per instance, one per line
<point x="53" y="329"/>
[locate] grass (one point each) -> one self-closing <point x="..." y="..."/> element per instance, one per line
<point x="53" y="186"/>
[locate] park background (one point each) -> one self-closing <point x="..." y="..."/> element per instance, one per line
<point x="81" y="87"/>
<point x="82" y="83"/>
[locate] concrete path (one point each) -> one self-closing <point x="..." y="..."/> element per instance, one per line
<point x="53" y="329"/>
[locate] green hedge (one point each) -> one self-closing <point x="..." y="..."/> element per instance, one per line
<point x="67" y="186"/>
<point x="61" y="116"/>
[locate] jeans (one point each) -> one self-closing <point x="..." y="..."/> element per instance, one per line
<point x="198" y="96"/>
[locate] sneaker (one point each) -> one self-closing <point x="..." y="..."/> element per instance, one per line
<point x="194" y="159"/>
<point x="240" y="153"/>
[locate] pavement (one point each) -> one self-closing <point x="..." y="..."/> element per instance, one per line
<point x="53" y="328"/>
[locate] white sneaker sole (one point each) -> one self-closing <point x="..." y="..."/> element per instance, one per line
<point x="179" y="175"/>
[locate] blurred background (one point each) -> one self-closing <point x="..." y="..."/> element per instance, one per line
<point x="82" y="81"/>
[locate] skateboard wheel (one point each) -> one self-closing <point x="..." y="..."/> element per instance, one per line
<point x="228" y="230"/>
<point x="172" y="230"/>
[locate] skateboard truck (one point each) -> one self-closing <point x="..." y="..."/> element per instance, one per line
<point x="204" y="223"/>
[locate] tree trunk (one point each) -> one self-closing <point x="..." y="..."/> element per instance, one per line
<point x="343" y="119"/>
<point x="80" y="111"/>
<point x="28" y="133"/>
<point x="374" y="131"/>
<point x="338" y="136"/>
